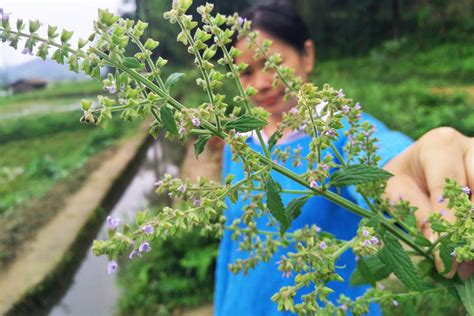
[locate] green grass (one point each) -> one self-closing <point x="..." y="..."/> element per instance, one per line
<point x="396" y="86"/>
<point x="54" y="90"/>
<point x="39" y="150"/>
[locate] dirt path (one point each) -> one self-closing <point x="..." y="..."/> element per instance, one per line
<point x="40" y="257"/>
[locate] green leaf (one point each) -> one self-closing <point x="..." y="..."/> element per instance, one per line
<point x="233" y="196"/>
<point x="200" y="143"/>
<point x="293" y="209"/>
<point x="167" y="119"/>
<point x="425" y="266"/>
<point x="358" y="174"/>
<point x="445" y="255"/>
<point x="131" y="63"/>
<point x="466" y="293"/>
<point x="395" y="257"/>
<point x="245" y="123"/>
<point x="274" y="139"/>
<point x="365" y="271"/>
<point x="438" y="227"/>
<point x="422" y="241"/>
<point x="275" y="204"/>
<point x="173" y="79"/>
<point x="377" y="271"/>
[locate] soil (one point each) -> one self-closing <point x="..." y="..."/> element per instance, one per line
<point x="21" y="224"/>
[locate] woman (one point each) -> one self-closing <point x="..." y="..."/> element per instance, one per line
<point x="420" y="169"/>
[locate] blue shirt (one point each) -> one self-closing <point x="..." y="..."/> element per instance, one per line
<point x="239" y="294"/>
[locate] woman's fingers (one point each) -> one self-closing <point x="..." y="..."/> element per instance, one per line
<point x="447" y="154"/>
<point x="420" y="174"/>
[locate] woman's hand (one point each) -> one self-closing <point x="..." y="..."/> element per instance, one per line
<point x="420" y="173"/>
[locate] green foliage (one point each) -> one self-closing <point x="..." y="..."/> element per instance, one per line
<point x="358" y="174"/>
<point x="378" y="271"/>
<point x="53" y="91"/>
<point x="275" y="204"/>
<point x="39" y="149"/>
<point x="177" y="274"/>
<point x="465" y="291"/>
<point x="412" y="92"/>
<point x="200" y="143"/>
<point x="394" y="256"/>
<point x="245" y="123"/>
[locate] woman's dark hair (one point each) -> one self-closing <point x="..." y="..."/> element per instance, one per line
<point x="280" y="20"/>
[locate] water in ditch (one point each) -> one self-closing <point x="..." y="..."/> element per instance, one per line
<point x="94" y="292"/>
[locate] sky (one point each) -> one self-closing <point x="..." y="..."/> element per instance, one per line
<point x="73" y="15"/>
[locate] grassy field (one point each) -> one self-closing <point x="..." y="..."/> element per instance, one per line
<point x="409" y="90"/>
<point x="44" y="146"/>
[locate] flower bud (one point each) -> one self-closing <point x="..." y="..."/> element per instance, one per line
<point x="182" y="5"/>
<point x="86" y="104"/>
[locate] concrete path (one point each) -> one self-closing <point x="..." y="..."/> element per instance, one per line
<point x="45" y="252"/>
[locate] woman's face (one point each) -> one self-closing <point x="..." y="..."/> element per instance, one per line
<point x="268" y="97"/>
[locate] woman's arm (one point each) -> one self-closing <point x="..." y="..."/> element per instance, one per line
<point x="419" y="176"/>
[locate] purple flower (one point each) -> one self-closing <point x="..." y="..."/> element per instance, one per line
<point x="374" y="240"/>
<point x="112" y="222"/>
<point x="111" y="89"/>
<point x="324" y="166"/>
<point x="286" y="274"/>
<point x="293" y="110"/>
<point x="357" y="106"/>
<point x="112" y="266"/>
<point x="182" y="188"/>
<point x="197" y="202"/>
<point x="340" y="93"/>
<point x="367" y="243"/>
<point x="466" y="190"/>
<point x="181" y="130"/>
<point x="330" y="132"/>
<point x="442" y="212"/>
<point x="144" y="247"/>
<point x="344" y="307"/>
<point x="367" y="134"/>
<point x="196" y="121"/>
<point x="313" y="184"/>
<point x="148" y="229"/>
<point x="134" y="253"/>
<point x="365" y="232"/>
<point x="323" y="245"/>
<point x="26" y="51"/>
<point x="318" y="229"/>
<point x="441" y="199"/>
<point x="5" y="16"/>
<point x="241" y="21"/>
<point x="358" y="116"/>
<point x="299" y="164"/>
<point x="346" y="109"/>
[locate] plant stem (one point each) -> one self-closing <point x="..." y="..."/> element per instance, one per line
<point x="203" y="71"/>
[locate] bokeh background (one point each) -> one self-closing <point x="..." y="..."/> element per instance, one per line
<point x="409" y="63"/>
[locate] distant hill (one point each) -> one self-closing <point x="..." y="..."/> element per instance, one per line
<point x="47" y="70"/>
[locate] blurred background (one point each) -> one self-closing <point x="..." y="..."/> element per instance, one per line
<point x="409" y="63"/>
